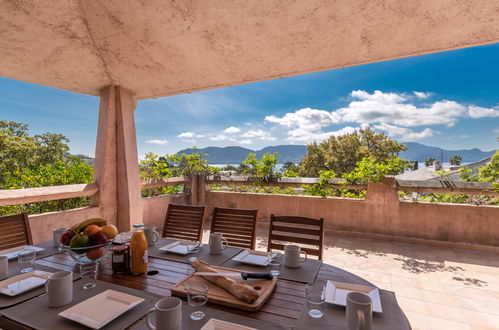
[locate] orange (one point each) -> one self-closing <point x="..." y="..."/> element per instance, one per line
<point x="110" y="231"/>
<point x="91" y="230"/>
<point x="95" y="253"/>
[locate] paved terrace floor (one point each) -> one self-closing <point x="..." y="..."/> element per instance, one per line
<point x="437" y="287"/>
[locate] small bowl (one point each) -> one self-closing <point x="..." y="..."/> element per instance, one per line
<point x="81" y="254"/>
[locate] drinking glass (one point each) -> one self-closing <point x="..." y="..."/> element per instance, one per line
<point x="193" y="248"/>
<point x="316" y="294"/>
<point x="197" y="296"/>
<point x="275" y="260"/>
<point x="26" y="259"/>
<point x="88" y="273"/>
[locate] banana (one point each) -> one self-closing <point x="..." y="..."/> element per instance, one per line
<point x="96" y="221"/>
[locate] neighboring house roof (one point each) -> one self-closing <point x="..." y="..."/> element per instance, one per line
<point x="428" y="173"/>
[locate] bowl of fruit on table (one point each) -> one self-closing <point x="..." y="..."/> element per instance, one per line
<point x="87" y="241"/>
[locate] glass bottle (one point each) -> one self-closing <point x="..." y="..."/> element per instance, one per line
<point x="138" y="250"/>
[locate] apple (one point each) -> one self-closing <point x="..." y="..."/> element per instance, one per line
<point x="97" y="239"/>
<point x="66" y="237"/>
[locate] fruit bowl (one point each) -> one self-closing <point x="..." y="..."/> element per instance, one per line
<point x="87" y="254"/>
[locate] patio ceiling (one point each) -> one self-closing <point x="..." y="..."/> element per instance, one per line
<point x="157" y="47"/>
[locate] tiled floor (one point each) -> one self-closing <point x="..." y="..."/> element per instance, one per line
<point x="437" y="287"/>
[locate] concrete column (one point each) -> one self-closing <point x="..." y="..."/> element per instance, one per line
<point x="116" y="161"/>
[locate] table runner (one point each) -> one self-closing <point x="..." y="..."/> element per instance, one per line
<point x="335" y="316"/>
<point x="36" y="314"/>
<point x="305" y="273"/>
<point x="188" y="324"/>
<point x="49" y="250"/>
<point x="6" y="301"/>
<point x="204" y="253"/>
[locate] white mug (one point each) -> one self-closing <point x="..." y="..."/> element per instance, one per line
<point x="59" y="288"/>
<point x="152" y="235"/>
<point x="168" y="314"/>
<point x="4" y="267"/>
<point x="292" y="257"/>
<point x="359" y="315"/>
<point x="56" y="236"/>
<point x="217" y="243"/>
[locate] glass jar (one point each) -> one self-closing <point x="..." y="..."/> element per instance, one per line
<point x="138" y="250"/>
<point x="120" y="260"/>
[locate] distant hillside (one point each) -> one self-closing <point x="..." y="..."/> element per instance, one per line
<point x="235" y="155"/>
<point x="420" y="152"/>
<point x="294" y="153"/>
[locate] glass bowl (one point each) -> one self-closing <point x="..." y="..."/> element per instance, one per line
<point x="88" y="254"/>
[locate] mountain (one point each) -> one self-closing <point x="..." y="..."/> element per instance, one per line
<point x="235" y="155"/>
<point x="420" y="152"/>
<point x="294" y="153"/>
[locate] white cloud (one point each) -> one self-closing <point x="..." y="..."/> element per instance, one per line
<point x="219" y="137"/>
<point x="158" y="142"/>
<point x="392" y="108"/>
<point x="422" y="95"/>
<point x="496" y="130"/>
<point x="479" y="112"/>
<point x="307" y="118"/>
<point x="186" y="135"/>
<point x="232" y="130"/>
<point x="258" y="133"/>
<point x="245" y="142"/>
<point x="404" y="133"/>
<point x="299" y="135"/>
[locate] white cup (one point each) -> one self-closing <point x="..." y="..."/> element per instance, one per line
<point x="217" y="243"/>
<point x="59" y="288"/>
<point x="359" y="315"/>
<point x="292" y="256"/>
<point x="168" y="314"/>
<point x="152" y="235"/>
<point x="56" y="236"/>
<point x="4" y="267"/>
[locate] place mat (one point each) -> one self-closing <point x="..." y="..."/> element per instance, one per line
<point x="6" y="301"/>
<point x="204" y="253"/>
<point x="188" y="324"/>
<point x="334" y="316"/>
<point x="305" y="273"/>
<point x="36" y="314"/>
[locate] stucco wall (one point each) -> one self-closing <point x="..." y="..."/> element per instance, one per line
<point x="155" y="207"/>
<point x="380" y="213"/>
<point x="42" y="224"/>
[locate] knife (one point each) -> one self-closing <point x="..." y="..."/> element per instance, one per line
<point x="245" y="276"/>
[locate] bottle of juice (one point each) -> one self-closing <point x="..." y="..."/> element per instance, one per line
<point x="138" y="250"/>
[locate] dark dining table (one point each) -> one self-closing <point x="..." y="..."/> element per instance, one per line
<point x="285" y="309"/>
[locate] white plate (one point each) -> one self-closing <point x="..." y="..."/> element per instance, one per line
<point x="177" y="247"/>
<point x="12" y="253"/>
<point x="255" y="258"/>
<point x="336" y="294"/>
<point x="214" y="324"/>
<point x="101" y="309"/>
<point x="23" y="282"/>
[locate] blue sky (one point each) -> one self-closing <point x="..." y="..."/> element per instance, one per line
<point x="449" y="100"/>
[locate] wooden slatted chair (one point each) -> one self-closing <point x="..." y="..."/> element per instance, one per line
<point x="237" y="225"/>
<point x="14" y="231"/>
<point x="184" y="222"/>
<point x="306" y="232"/>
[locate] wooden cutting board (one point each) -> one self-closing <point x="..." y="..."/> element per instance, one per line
<point x="221" y="296"/>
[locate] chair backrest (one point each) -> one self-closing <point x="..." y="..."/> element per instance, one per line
<point x="237" y="225"/>
<point x="184" y="222"/>
<point x="14" y="231"/>
<point x="306" y="232"/>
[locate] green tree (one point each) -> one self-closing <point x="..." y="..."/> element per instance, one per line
<point x="341" y="154"/>
<point x="455" y="160"/>
<point x="290" y="169"/>
<point x="264" y="169"/>
<point x="19" y="150"/>
<point x="229" y="167"/>
<point x="429" y="161"/>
